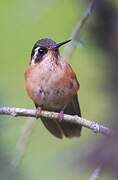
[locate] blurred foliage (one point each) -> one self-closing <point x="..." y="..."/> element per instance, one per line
<point x="22" y="23"/>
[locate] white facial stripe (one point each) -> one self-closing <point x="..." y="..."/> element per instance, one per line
<point x="35" y="55"/>
<point x="36" y="52"/>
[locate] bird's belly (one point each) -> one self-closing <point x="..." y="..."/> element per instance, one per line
<point x="51" y="88"/>
<point x="55" y="98"/>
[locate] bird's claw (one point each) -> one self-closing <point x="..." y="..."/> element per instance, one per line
<point x="38" y="112"/>
<point x="61" y="116"/>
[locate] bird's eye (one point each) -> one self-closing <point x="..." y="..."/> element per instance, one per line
<point x="41" y="50"/>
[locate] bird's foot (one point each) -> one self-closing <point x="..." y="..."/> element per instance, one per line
<point x="61" y="116"/>
<point x="38" y="112"/>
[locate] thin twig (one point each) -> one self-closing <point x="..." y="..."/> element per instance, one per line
<point x="96" y="174"/>
<point x="70" y="48"/>
<point x="95" y="127"/>
<point x="23" y="141"/>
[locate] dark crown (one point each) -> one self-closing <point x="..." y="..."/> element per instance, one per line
<point x="47" y="43"/>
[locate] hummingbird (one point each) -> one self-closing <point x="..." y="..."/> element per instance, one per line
<point x="52" y="85"/>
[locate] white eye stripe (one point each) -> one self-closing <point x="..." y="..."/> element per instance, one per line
<point x="36" y="52"/>
<point x="35" y="55"/>
<point x="37" y="49"/>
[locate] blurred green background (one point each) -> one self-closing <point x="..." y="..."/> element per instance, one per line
<point x="21" y="24"/>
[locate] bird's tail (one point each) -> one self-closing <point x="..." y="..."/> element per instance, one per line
<point x="68" y="129"/>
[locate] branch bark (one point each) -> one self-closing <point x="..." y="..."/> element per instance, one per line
<point x="94" y="126"/>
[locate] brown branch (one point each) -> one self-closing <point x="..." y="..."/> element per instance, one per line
<point x="70" y="48"/>
<point x="95" y="127"/>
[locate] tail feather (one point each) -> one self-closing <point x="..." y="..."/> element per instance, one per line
<point x="71" y="129"/>
<point x="53" y="126"/>
<point x="68" y="129"/>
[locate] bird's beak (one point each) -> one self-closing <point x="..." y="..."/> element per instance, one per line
<point x="60" y="44"/>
